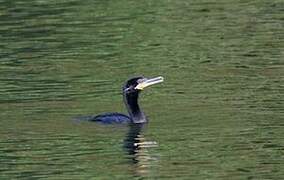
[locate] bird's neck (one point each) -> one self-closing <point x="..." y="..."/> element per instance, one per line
<point x="136" y="114"/>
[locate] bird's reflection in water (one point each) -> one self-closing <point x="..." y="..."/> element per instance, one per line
<point x="138" y="148"/>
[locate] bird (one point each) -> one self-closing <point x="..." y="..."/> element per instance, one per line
<point x="130" y="91"/>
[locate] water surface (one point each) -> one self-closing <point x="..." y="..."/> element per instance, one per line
<point x="218" y="115"/>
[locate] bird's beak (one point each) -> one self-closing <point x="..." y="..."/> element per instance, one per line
<point x="148" y="82"/>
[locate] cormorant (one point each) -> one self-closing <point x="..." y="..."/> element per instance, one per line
<point x="131" y="91"/>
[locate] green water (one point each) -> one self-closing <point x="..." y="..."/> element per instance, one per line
<point x="218" y="115"/>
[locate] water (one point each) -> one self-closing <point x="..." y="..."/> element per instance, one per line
<point x="218" y="115"/>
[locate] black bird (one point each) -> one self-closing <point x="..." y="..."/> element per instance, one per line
<point x="131" y="91"/>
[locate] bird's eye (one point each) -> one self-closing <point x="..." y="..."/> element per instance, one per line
<point x="128" y="89"/>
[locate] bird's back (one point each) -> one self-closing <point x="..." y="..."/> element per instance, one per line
<point x="109" y="118"/>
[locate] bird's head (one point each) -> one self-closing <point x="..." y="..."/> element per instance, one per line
<point x="137" y="84"/>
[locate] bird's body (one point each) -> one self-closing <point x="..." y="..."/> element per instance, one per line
<point x="131" y="91"/>
<point x="110" y="118"/>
